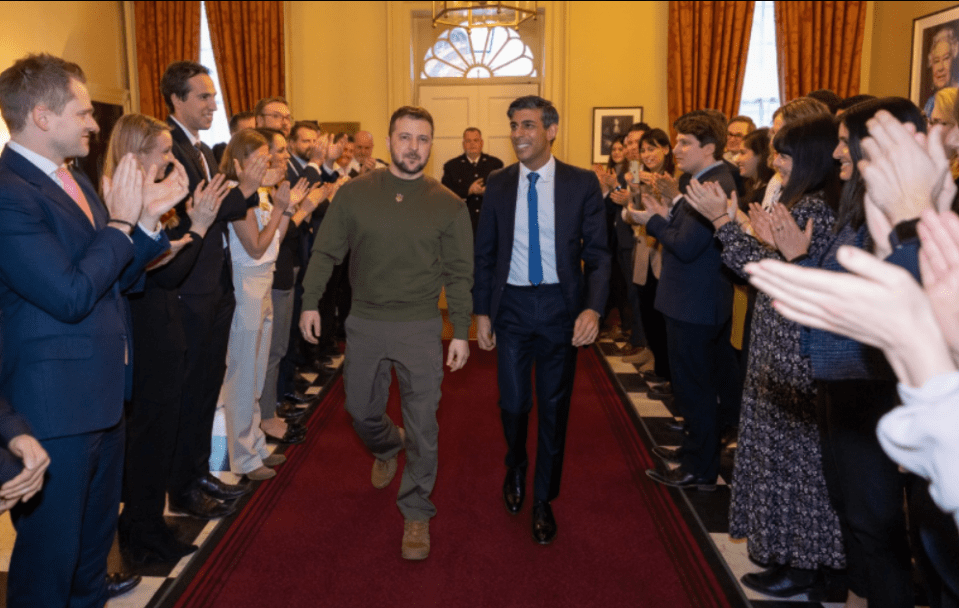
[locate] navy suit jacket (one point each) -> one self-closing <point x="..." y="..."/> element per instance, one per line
<point x="694" y="286"/>
<point x="66" y="335"/>
<point x="211" y="269"/>
<point x="582" y="257"/>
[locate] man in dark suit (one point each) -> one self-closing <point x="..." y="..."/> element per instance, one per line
<point x="695" y="296"/>
<point x="542" y="276"/>
<point x="65" y="259"/>
<point x="466" y="174"/>
<point x="206" y="295"/>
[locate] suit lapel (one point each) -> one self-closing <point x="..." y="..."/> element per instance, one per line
<point x="48" y="188"/>
<point x="561" y="202"/>
<point x="99" y="209"/>
<point x="189" y="152"/>
<point x="512" y="188"/>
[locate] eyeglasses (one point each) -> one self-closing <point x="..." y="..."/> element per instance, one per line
<point x="278" y="116"/>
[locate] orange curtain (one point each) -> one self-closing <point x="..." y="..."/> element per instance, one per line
<point x="820" y="46"/>
<point x="247" y="42"/>
<point x="165" y="32"/>
<point x="708" y="42"/>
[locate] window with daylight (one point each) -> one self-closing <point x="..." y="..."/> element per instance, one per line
<point x="480" y="53"/>
<point x="219" y="131"/>
<point x="760" y="96"/>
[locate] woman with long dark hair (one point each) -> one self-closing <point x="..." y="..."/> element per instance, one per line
<point x="753" y="162"/>
<point x="779" y="499"/>
<point x="656" y="154"/>
<point x="856" y="387"/>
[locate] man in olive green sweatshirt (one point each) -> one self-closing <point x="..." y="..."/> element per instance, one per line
<point x="408" y="237"/>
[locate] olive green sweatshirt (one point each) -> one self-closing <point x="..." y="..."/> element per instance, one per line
<point x="407" y="239"/>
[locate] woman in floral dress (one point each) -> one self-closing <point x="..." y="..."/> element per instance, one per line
<point x="779" y="498"/>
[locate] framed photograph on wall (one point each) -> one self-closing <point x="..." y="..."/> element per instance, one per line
<point x="608" y="124"/>
<point x="935" y="59"/>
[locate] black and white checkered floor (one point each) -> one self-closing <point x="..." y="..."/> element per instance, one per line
<point x="706" y="512"/>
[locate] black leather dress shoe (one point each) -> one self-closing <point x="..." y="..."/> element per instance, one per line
<point x="290" y="412"/>
<point x="296" y="398"/>
<point x="199" y="504"/>
<point x="295" y="433"/>
<point x="119" y="583"/>
<point x="652" y="378"/>
<point x="785" y="581"/>
<point x="679" y="478"/>
<point x="514" y="489"/>
<point x="670" y="455"/>
<point x="544" y="524"/>
<point x="661" y="392"/>
<point x="145" y="543"/>
<point x="676" y="426"/>
<point x="220" y="490"/>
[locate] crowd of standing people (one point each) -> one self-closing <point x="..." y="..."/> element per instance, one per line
<point x="195" y="280"/>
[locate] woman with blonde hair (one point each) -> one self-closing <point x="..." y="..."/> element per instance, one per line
<point x="159" y="346"/>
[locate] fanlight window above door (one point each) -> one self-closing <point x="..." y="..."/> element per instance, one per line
<point x="480" y="53"/>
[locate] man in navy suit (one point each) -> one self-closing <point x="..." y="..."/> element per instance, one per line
<point x="541" y="281"/>
<point x="206" y="296"/>
<point x="65" y="258"/>
<point x="695" y="296"/>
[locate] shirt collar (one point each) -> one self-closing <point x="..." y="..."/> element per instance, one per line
<point x="546" y="172"/>
<point x="709" y="168"/>
<point x="193" y="140"/>
<point x="38" y="160"/>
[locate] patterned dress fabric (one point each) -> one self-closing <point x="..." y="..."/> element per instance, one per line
<point x="779" y="499"/>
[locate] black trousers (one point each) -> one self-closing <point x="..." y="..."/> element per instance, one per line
<point x="936" y="543"/>
<point x="867" y="490"/>
<point x="708" y="389"/>
<point x="206" y="323"/>
<point x="655" y="325"/>
<point x="637" y="335"/>
<point x="534" y="332"/>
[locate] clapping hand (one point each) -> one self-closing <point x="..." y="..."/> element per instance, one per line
<point x="762" y="224"/>
<point x="939" y="265"/>
<point x="905" y="172"/>
<point x="667" y="186"/>
<point x="788" y="238"/>
<point x="876" y="303"/>
<point x="205" y="204"/>
<point x="299" y="191"/>
<point x="281" y="197"/>
<point x="709" y="200"/>
<point x="123" y="195"/>
<point x="251" y="173"/>
<point x="160" y="197"/>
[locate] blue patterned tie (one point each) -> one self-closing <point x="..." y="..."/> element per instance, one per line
<point x="535" y="259"/>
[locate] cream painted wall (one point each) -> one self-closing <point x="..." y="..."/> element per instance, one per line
<point x="617" y="57"/>
<point x="338" y="60"/>
<point x="354" y="36"/>
<point x="88" y="33"/>
<point x="889" y="60"/>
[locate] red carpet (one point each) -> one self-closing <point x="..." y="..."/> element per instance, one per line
<point x="320" y="535"/>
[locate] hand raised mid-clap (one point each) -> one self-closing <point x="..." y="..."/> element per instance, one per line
<point x="123" y="194"/>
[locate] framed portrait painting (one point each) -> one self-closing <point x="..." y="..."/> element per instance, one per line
<point x="935" y="60"/>
<point x="608" y="124"/>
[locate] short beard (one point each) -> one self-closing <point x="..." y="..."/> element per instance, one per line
<point x="397" y="162"/>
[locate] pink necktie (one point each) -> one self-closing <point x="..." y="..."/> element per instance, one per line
<point x="72" y="188"/>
